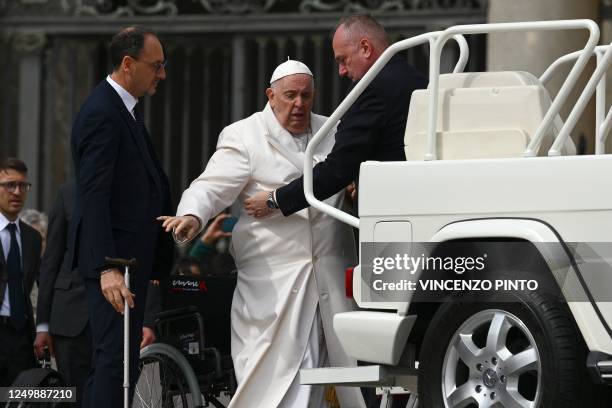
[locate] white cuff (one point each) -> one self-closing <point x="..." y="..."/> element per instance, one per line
<point x="42" y="327"/>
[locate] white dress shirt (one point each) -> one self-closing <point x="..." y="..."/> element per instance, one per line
<point x="5" y="238"/>
<point x="128" y="100"/>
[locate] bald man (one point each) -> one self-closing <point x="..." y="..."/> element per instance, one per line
<point x="372" y="129"/>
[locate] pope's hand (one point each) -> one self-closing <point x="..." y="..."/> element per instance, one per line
<point x="257" y="205"/>
<point x="184" y="227"/>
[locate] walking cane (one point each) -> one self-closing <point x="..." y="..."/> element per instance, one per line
<point x="126" y="264"/>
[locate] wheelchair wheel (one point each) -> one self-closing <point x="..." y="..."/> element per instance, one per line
<point x="162" y="384"/>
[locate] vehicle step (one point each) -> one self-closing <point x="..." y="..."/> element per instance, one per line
<point x="363" y="376"/>
<point x="600" y="367"/>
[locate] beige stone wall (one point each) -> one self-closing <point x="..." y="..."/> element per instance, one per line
<point x="535" y="51"/>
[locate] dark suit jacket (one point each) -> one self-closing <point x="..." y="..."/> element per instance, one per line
<point x="62" y="301"/>
<point x="121" y="189"/>
<point x="31" y="245"/>
<point x="372" y="129"/>
<point x="61" y="291"/>
<point x="153" y="305"/>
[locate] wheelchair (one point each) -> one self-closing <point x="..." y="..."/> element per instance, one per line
<point x="190" y="364"/>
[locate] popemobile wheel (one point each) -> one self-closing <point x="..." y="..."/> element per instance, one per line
<point x="522" y="354"/>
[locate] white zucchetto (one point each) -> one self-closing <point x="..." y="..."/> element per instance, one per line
<point x="289" y="67"/>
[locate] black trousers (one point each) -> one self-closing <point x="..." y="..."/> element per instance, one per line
<point x="73" y="358"/>
<point x="16" y="351"/>
<point x="104" y="385"/>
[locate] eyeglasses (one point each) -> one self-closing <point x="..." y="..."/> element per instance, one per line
<point x="157" y="66"/>
<point x="11" y="186"/>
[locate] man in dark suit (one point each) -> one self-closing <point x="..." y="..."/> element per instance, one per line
<point x="61" y="293"/>
<point x="20" y="251"/>
<point x="62" y="303"/>
<point x="372" y="129"/>
<point x="121" y="189"/>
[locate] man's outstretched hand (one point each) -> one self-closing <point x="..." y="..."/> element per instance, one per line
<point x="257" y="205"/>
<point x="185" y="227"/>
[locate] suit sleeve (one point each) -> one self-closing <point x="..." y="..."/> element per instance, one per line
<point x="355" y="141"/>
<point x="52" y="259"/>
<point x="153" y="305"/>
<point x="97" y="153"/>
<point x="225" y="176"/>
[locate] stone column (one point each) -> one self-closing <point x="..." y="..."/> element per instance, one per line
<point x="8" y="98"/>
<point x="30" y="46"/>
<point x="238" y="77"/>
<point x="535" y="51"/>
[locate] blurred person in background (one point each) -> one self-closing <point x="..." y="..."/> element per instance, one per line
<point x="211" y="249"/>
<point x="188" y="266"/>
<point x="38" y="221"/>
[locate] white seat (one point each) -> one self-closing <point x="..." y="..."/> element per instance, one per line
<point x="482" y="115"/>
<point x="487" y="79"/>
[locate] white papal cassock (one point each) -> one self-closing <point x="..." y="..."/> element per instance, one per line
<point x="288" y="267"/>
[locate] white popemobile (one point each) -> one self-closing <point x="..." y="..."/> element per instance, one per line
<point x="488" y="160"/>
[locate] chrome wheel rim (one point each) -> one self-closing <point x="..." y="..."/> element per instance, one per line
<point x="492" y="361"/>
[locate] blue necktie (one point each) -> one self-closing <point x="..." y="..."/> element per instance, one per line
<point x="15" y="282"/>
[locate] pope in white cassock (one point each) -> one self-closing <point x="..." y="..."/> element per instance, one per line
<point x="290" y="269"/>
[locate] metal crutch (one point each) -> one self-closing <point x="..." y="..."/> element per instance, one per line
<point x="126" y="264"/>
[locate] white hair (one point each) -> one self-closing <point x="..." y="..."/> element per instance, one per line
<point x="34" y="217"/>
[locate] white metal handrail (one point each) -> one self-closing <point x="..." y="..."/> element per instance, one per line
<point x="564" y="59"/>
<point x="583" y="100"/>
<point x="603" y="122"/>
<point x="553" y="111"/>
<point x="351" y="98"/>
<point x="600" y="91"/>
<point x="603" y="130"/>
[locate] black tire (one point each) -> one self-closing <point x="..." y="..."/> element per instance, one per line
<point x="162" y="384"/>
<point x="539" y="320"/>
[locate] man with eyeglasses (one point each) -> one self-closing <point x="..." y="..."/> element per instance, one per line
<point x="121" y="189"/>
<point x="20" y="252"/>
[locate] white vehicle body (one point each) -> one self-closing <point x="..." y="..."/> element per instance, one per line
<point x="488" y="157"/>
